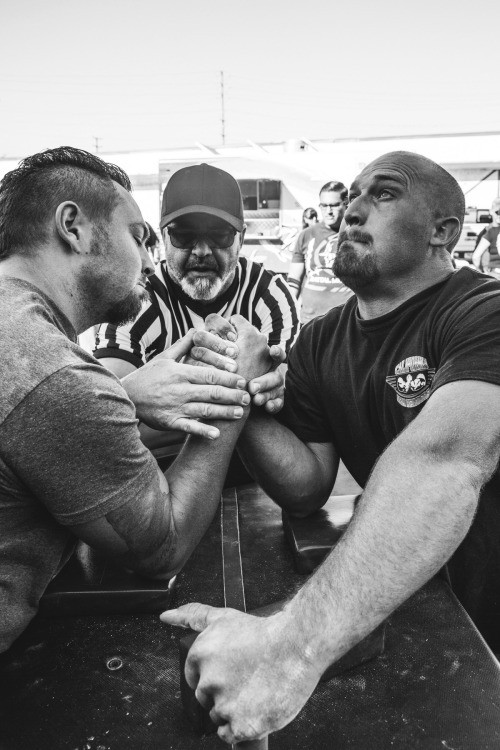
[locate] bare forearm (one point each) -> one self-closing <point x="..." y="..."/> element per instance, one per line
<point x="414" y="513"/>
<point x="195" y="480"/>
<point x="285" y="467"/>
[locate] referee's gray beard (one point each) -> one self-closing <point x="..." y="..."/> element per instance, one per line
<point x="202" y="288"/>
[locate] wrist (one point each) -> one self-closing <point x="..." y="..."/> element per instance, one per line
<point x="293" y="647"/>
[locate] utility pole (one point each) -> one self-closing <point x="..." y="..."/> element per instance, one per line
<point x="223" y="119"/>
<point x="96" y="145"/>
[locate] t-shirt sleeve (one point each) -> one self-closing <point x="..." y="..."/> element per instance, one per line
<point x="74" y="443"/>
<point x="299" y="248"/>
<point x="489" y="236"/>
<point x="303" y="411"/>
<point x="278" y="315"/>
<point x="471" y="342"/>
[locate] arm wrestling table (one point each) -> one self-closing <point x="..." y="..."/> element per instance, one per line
<point x="112" y="682"/>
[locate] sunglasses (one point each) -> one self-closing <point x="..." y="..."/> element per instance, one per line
<point x="186" y="239"/>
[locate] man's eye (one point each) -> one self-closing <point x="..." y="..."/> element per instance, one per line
<point x="385" y="194"/>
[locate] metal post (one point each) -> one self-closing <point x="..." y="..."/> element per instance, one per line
<point x="223" y="119"/>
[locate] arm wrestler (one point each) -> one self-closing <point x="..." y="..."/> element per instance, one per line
<point x="403" y="384"/>
<point x="72" y="254"/>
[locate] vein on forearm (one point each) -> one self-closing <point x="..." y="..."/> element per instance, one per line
<point x="415" y="511"/>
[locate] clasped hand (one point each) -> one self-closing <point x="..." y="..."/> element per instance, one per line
<point x="254" y="359"/>
<point x="171" y="395"/>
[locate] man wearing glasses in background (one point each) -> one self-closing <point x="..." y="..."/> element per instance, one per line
<point x="203" y="231"/>
<point x="311" y="274"/>
<point x="489" y="243"/>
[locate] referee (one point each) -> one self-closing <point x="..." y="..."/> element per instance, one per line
<point x="203" y="230"/>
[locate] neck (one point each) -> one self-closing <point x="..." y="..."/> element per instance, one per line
<point x="51" y="278"/>
<point x="386" y="296"/>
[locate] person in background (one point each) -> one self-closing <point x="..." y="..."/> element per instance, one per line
<point x="311" y="275"/>
<point x="153" y="244"/>
<point x="489" y="244"/>
<point x="309" y="217"/>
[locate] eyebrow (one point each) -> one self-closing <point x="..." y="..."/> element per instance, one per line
<point x="383" y="178"/>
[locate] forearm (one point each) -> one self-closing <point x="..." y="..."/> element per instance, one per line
<point x="195" y="480"/>
<point x="286" y="468"/>
<point x="295" y="276"/>
<point x="415" y="511"/>
<point x="160" y="438"/>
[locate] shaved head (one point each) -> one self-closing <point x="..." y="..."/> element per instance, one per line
<point x="443" y="194"/>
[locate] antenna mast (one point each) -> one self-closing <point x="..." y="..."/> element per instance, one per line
<point x="223" y="119"/>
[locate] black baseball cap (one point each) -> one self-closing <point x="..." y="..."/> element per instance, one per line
<point x="202" y="189"/>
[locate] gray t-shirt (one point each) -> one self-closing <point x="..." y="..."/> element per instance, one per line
<point x="70" y="450"/>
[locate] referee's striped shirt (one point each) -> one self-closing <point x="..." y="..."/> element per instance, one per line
<point x="260" y="296"/>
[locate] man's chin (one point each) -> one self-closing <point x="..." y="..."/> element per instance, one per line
<point x="356" y="274"/>
<point x="201" y="288"/>
<point x="128" y="308"/>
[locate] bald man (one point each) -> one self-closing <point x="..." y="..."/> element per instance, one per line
<point x="403" y="384"/>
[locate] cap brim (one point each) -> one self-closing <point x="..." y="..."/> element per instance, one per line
<point x="233" y="220"/>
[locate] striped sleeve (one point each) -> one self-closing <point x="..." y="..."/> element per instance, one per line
<point x="271" y="306"/>
<point x="132" y="342"/>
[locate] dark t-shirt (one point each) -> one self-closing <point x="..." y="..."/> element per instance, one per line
<point x="491" y="235"/>
<point x="70" y="450"/>
<point x="358" y="383"/>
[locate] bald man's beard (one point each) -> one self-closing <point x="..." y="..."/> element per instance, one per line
<point x="355" y="267"/>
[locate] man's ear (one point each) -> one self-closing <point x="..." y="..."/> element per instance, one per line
<point x="71" y="223"/>
<point x="242" y="235"/>
<point x="445" y="231"/>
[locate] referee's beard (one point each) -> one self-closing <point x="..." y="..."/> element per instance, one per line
<point x="202" y="288"/>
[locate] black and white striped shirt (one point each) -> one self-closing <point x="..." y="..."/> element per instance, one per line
<point x="260" y="296"/>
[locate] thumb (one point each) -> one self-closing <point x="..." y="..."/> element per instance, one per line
<point x="195" y="616"/>
<point x="181" y="347"/>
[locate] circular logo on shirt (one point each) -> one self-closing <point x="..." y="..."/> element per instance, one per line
<point x="412" y="381"/>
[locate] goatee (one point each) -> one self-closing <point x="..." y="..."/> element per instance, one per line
<point x="356" y="268"/>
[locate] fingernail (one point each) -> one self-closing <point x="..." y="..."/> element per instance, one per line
<point x="238" y="411"/>
<point x="231" y="336"/>
<point x="256" y="388"/>
<point x="213" y="434"/>
<point x="241" y="384"/>
<point x="246" y="399"/>
<point x="230" y="351"/>
<point x="231" y="366"/>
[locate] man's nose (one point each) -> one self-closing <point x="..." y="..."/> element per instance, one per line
<point x="201" y="248"/>
<point x="355" y="212"/>
<point x="147" y="264"/>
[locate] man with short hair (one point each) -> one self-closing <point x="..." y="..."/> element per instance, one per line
<point x="311" y="273"/>
<point x="403" y="384"/>
<point x="72" y="465"/>
<point x="203" y="273"/>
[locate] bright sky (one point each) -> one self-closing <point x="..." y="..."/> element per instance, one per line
<point x="146" y="74"/>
